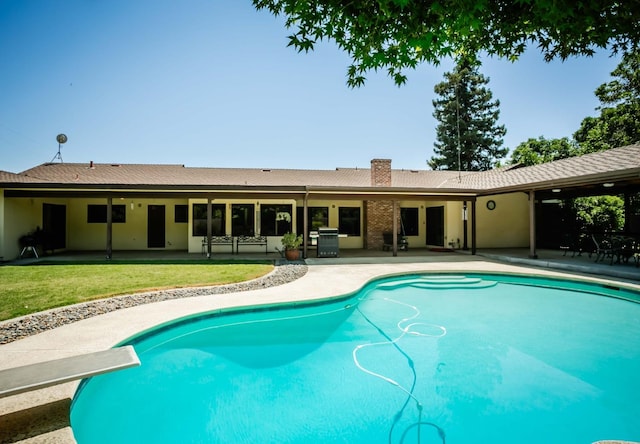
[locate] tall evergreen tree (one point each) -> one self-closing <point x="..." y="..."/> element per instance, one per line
<point x="468" y="137"/>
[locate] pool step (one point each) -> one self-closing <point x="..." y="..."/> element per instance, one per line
<point x="439" y="282"/>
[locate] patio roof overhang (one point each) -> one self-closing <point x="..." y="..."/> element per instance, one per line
<point x="610" y="183"/>
<point x="388" y="193"/>
<point x="239" y="192"/>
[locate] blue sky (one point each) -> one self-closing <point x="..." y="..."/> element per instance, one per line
<point x="212" y="83"/>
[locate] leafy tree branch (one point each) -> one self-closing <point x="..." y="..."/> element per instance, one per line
<point x="397" y="35"/>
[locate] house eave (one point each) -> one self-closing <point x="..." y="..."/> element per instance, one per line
<point x="390" y="193"/>
<point x="629" y="178"/>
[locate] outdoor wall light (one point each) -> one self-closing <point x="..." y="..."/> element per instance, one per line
<point x="556" y="190"/>
<point x="608" y="184"/>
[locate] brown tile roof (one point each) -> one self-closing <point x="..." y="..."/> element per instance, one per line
<point x="421" y="178"/>
<point x="594" y="167"/>
<point x="7" y="177"/>
<point x="609" y="164"/>
<point x="179" y="175"/>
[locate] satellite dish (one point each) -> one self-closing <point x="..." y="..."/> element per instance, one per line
<point x="61" y="138"/>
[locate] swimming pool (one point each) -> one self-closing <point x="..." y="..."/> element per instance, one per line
<point x="471" y="358"/>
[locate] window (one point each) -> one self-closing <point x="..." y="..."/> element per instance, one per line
<point x="349" y="221"/>
<point x="409" y="221"/>
<point x="242" y="220"/>
<point x="317" y="217"/>
<point x="181" y="214"/>
<point x="97" y="214"/>
<point x="217" y="219"/>
<point x="275" y="220"/>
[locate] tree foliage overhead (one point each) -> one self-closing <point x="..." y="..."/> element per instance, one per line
<point x="468" y="121"/>
<point x="399" y="34"/>
<point x="541" y="150"/>
<point x="619" y="121"/>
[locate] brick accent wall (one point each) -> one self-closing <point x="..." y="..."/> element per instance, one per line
<point x="378" y="214"/>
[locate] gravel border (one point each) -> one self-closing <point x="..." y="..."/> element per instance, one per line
<point x="19" y="328"/>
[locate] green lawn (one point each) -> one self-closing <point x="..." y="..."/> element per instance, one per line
<point x="28" y="289"/>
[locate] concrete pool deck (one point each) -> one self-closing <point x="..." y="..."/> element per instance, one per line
<point x="42" y="416"/>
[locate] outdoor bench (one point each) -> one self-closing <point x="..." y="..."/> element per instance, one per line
<point x="217" y="240"/>
<point x="22" y="379"/>
<point x="252" y="240"/>
<point x="387" y="242"/>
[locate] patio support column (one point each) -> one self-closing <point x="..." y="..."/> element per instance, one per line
<point x="305" y="225"/>
<point x="209" y="216"/>
<point x="395" y="228"/>
<point x="109" y="227"/>
<point x="465" y="246"/>
<point x="532" y="225"/>
<point x="473" y="226"/>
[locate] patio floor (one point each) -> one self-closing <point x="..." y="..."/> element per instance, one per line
<point x="552" y="259"/>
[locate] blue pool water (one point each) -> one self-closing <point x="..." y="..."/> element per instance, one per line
<point x="411" y="359"/>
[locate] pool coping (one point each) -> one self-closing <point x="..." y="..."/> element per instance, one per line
<point x="106" y="330"/>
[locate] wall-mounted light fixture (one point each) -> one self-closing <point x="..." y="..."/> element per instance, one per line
<point x="608" y="184"/>
<point x="556" y="190"/>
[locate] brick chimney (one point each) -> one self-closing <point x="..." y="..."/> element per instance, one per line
<point x="378" y="214"/>
<point x="381" y="172"/>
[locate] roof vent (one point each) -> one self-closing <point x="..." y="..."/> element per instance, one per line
<point x="266" y="170"/>
<point x="115" y="165"/>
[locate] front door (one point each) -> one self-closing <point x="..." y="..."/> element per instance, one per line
<point x="54" y="226"/>
<point x="435" y="226"/>
<point x="155" y="226"/>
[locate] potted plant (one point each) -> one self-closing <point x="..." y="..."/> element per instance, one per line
<point x="291" y="243"/>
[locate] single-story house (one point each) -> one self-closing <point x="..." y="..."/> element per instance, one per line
<point x="111" y="207"/>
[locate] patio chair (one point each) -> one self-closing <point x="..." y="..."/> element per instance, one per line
<point x="387" y="242"/>
<point x="574" y="244"/>
<point x="628" y="249"/>
<point x="607" y="248"/>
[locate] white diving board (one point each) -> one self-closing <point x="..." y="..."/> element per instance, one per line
<point x="22" y="379"/>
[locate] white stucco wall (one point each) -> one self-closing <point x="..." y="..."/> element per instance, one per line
<point x="131" y="235"/>
<point x="21" y="216"/>
<point x="506" y="226"/>
<point x="3" y="254"/>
